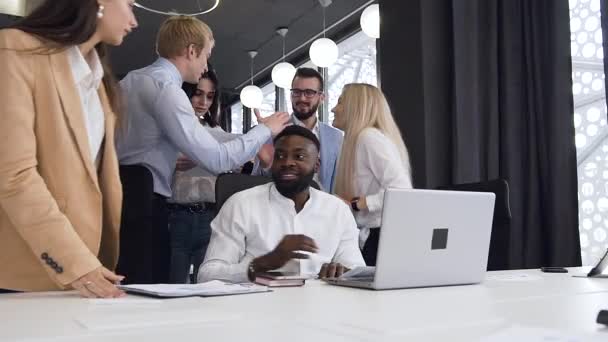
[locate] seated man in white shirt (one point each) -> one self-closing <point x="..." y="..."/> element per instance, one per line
<point x="285" y="225"/>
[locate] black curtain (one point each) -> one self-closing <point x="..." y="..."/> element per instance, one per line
<point x="482" y="90"/>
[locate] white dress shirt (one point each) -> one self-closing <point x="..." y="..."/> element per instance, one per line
<point x="198" y="184"/>
<point x="315" y="128"/>
<point x="88" y="77"/>
<point x="378" y="166"/>
<point x="253" y="222"/>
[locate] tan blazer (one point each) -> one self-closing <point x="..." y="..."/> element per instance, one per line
<point x="59" y="215"/>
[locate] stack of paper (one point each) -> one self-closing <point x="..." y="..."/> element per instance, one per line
<point x="362" y="272"/>
<point x="208" y="289"/>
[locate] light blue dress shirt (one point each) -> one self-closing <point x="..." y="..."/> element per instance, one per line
<point x="331" y="145"/>
<point x="159" y="122"/>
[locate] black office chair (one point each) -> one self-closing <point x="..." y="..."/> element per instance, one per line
<point x="138" y="223"/>
<point x="498" y="258"/>
<point x="227" y="184"/>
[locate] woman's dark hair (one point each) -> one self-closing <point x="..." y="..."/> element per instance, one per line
<point x="64" y="23"/>
<point x="212" y="117"/>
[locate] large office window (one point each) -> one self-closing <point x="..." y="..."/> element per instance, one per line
<point x="590" y="125"/>
<point x="237" y="117"/>
<point x="268" y="107"/>
<point x="357" y="63"/>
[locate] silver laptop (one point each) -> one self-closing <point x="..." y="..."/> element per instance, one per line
<point x="428" y="238"/>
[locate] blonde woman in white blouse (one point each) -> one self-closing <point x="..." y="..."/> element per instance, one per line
<point x="373" y="159"/>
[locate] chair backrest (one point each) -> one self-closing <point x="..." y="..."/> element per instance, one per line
<point x="228" y="184"/>
<point x="500" y="187"/>
<point x="498" y="258"/>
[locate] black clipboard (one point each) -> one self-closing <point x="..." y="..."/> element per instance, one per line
<point x="598" y="270"/>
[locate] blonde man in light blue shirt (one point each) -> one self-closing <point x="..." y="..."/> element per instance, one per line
<point x="158" y="125"/>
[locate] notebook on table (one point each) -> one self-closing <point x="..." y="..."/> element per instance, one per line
<point x="281" y="279"/>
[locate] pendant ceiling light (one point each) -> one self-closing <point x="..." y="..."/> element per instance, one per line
<point x="370" y="21"/>
<point x="176" y="12"/>
<point x="251" y="95"/>
<point x="324" y="51"/>
<point x="283" y="72"/>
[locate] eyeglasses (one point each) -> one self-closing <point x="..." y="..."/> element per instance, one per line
<point x="307" y="92"/>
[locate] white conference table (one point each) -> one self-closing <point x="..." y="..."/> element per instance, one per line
<point x="320" y="312"/>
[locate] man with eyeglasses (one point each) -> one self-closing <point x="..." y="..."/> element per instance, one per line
<point x="306" y="95"/>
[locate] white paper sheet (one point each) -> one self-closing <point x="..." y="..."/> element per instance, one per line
<point x="211" y="288"/>
<point x="360" y="272"/>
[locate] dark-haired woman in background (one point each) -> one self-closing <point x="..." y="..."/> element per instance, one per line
<point x="193" y="203"/>
<point x="60" y="193"/>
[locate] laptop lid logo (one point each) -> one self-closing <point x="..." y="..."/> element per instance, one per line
<point x="439" y="239"/>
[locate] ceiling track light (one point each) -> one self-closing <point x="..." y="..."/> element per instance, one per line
<point x="171" y="13"/>
<point x="305" y="44"/>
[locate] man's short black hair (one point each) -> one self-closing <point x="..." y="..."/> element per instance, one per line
<point x="309" y="73"/>
<point x="301" y="131"/>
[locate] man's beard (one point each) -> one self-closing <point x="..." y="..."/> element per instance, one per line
<point x="290" y="188"/>
<point x="305" y="115"/>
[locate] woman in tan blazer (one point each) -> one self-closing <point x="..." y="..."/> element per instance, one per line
<point x="60" y="193"/>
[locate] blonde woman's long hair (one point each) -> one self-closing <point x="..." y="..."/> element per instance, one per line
<point x="364" y="106"/>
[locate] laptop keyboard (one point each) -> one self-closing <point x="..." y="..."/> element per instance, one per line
<point x="362" y="279"/>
